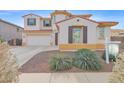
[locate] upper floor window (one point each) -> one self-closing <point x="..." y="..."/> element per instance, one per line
<point x="47" y="23"/>
<point x="31" y="21"/>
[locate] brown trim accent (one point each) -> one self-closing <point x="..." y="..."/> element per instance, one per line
<point x="76" y="17"/>
<point x="38" y="31"/>
<point x="38" y="34"/>
<point x="67" y="47"/>
<point x="107" y="24"/>
<point x="83" y="15"/>
<point x="77" y="26"/>
<point x="70" y="34"/>
<point x="85" y="34"/>
<point x="56" y="39"/>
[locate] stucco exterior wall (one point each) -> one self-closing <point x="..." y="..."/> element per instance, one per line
<point x="43" y="27"/>
<point x="9" y="32"/>
<point x="91" y="27"/>
<point x="36" y="27"/>
<point x="59" y="18"/>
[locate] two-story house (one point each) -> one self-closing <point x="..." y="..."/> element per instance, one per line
<point x="66" y="30"/>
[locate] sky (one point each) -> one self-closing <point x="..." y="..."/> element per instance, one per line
<point x="15" y="16"/>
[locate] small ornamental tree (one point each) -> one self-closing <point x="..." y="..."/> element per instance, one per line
<point x="8" y="65"/>
<point x="117" y="75"/>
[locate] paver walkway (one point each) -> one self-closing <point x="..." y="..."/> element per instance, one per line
<point x="64" y="77"/>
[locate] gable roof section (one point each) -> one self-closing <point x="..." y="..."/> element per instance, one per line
<point x="64" y="12"/>
<point x="76" y="17"/>
<point x="100" y="24"/>
<point x="83" y="15"/>
<point x="31" y="14"/>
<point x="1" y="20"/>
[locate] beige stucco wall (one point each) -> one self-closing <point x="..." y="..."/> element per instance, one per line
<point x="60" y="17"/>
<point x="63" y="33"/>
<point x="37" y="27"/>
<point x="43" y="27"/>
<point x="8" y="31"/>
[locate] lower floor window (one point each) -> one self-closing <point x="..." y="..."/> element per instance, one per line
<point x="76" y="35"/>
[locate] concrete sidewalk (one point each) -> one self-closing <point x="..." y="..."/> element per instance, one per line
<point x="23" y="54"/>
<point x="64" y="77"/>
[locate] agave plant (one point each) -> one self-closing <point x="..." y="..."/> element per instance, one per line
<point x="59" y="62"/>
<point x="86" y="59"/>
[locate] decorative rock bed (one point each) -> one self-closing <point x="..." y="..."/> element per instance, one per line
<point x="118" y="70"/>
<point x="8" y="66"/>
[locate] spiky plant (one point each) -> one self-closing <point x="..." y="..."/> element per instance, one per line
<point x="59" y="63"/>
<point x="86" y="59"/>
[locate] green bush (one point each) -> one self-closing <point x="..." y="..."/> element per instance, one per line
<point x="112" y="58"/>
<point x="59" y="63"/>
<point x="1" y="39"/>
<point x="86" y="59"/>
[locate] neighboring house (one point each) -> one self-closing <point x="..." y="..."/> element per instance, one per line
<point x="117" y="32"/>
<point x="10" y="31"/>
<point x="66" y="30"/>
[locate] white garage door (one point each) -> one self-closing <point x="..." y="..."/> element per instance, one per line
<point x="38" y="40"/>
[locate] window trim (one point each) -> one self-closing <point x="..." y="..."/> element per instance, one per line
<point x="28" y="22"/>
<point x="44" y="24"/>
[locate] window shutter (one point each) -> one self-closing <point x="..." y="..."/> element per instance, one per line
<point x="85" y="34"/>
<point x="70" y="35"/>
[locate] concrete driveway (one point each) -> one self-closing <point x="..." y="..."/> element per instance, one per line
<point x="23" y="54"/>
<point x="101" y="77"/>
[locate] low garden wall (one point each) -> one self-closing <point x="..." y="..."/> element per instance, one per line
<point x="117" y="38"/>
<point x="80" y="46"/>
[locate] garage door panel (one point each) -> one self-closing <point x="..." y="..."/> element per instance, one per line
<point x="38" y="40"/>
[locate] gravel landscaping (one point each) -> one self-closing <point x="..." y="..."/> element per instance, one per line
<point x="39" y="63"/>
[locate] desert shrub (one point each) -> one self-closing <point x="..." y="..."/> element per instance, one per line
<point x="112" y="58"/>
<point x="59" y="63"/>
<point x="117" y="75"/>
<point x="8" y="65"/>
<point x="86" y="59"/>
<point x="1" y="39"/>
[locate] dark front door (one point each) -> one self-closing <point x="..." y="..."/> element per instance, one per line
<point x="56" y="39"/>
